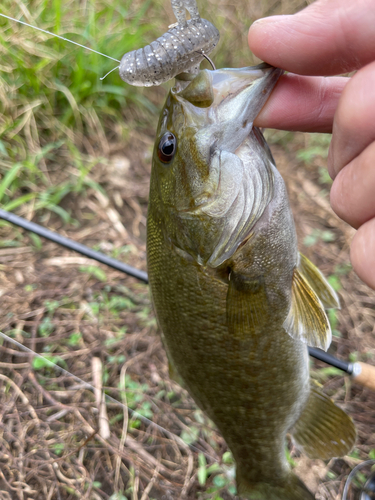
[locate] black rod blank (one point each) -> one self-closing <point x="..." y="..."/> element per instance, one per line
<point x="345" y="366"/>
<point x="73" y="245"/>
<point x="132" y="271"/>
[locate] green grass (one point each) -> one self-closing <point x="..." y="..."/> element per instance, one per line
<point x="317" y="147"/>
<point x="52" y="98"/>
<point x="53" y="103"/>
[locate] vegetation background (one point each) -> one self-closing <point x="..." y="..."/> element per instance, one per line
<point x="75" y="156"/>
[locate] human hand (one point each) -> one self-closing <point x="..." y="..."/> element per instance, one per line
<point x="330" y="37"/>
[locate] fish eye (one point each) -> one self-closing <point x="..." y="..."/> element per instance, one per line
<point x="167" y="147"/>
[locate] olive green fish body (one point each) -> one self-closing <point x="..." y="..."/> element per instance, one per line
<point x="251" y="402"/>
<point x="223" y="263"/>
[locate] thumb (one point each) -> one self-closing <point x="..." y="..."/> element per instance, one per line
<point x="329" y="37"/>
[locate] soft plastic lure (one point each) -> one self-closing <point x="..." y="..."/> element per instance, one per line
<point x="181" y="49"/>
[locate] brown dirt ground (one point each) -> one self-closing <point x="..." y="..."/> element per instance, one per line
<point x="51" y="433"/>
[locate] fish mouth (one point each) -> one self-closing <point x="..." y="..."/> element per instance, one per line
<point x="240" y="94"/>
<point x="228" y="89"/>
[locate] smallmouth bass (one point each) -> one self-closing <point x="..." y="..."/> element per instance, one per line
<point x="236" y="302"/>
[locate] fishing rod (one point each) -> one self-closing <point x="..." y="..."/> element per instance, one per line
<point x="73" y="245"/>
<point x="362" y="373"/>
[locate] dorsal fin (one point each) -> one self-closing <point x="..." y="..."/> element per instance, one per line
<point x="306" y="319"/>
<point x="318" y="283"/>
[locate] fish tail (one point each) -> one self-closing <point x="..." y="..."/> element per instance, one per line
<point x="291" y="488"/>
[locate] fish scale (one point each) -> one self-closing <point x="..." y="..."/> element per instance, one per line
<point x="235" y="301"/>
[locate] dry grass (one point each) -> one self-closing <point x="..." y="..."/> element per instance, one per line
<point x="48" y="448"/>
<point x="54" y="443"/>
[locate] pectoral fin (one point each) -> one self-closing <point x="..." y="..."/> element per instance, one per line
<point x="318" y="283"/>
<point x="306" y="319"/>
<point x="246" y="305"/>
<point x="323" y="430"/>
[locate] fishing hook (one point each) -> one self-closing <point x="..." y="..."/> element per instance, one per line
<point x="209" y="60"/>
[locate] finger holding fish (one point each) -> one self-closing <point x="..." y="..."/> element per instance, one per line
<point x="328" y="37"/>
<point x="353" y="128"/>
<point x="362" y="252"/>
<point x="302" y="103"/>
<point x="351" y="163"/>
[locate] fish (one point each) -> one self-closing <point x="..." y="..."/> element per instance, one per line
<point x="236" y="302"/>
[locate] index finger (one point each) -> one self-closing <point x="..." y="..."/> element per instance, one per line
<point x="329" y="37"/>
<point x="303" y="103"/>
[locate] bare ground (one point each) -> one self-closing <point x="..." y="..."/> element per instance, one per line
<point x="53" y="441"/>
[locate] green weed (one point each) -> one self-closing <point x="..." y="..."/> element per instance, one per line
<point x="75" y="339"/>
<point x="318" y="235"/>
<point x="190" y="435"/>
<point x="333" y="319"/>
<point x="331" y="475"/>
<point x="323" y="374"/>
<point x="47" y="361"/>
<point x="135" y="395"/>
<point x="46" y="327"/>
<point x="324" y="177"/>
<point x="335" y="282"/>
<point x="317" y="147"/>
<point x="215" y="478"/>
<point x="343" y="269"/>
<point x="118" y="496"/>
<point x="51" y="95"/>
<point x="94" y="271"/>
<point x="291" y="462"/>
<point x="58" y="448"/>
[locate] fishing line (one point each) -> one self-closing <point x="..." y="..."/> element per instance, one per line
<point x="352" y="474"/>
<point x="109" y="72"/>
<point x="133" y="413"/>
<point x="317" y="353"/>
<point x="345" y="366"/>
<point x="61" y="38"/>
